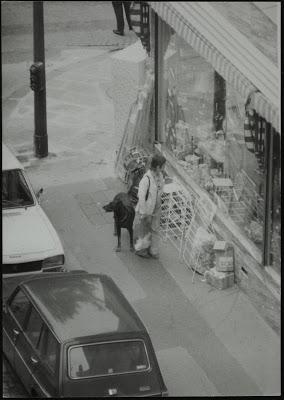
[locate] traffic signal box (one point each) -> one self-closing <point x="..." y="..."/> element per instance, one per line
<point x="36" y="77"/>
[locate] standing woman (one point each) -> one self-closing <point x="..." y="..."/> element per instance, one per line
<point x="148" y="209"/>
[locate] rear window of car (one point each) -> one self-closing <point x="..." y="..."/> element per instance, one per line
<point x="108" y="358"/>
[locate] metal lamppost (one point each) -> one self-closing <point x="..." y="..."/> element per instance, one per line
<point x="37" y="82"/>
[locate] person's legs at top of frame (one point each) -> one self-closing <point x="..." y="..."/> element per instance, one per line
<point x="118" y="10"/>
<point x="126" y="5"/>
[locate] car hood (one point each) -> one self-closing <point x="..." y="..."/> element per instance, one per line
<point x="27" y="232"/>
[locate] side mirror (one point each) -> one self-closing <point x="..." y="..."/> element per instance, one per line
<point x="39" y="193"/>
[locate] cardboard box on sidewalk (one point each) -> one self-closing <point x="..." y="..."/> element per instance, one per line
<point x="220" y="280"/>
<point x="224" y="256"/>
<point x="225" y="264"/>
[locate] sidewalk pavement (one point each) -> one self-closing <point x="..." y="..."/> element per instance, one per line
<point x="82" y="145"/>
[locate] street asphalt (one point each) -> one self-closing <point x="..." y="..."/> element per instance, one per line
<point x="230" y="349"/>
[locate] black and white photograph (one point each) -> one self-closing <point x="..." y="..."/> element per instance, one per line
<point x="141" y="199"/>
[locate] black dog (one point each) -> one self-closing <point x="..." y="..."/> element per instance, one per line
<point x="124" y="214"/>
<point x="123" y="205"/>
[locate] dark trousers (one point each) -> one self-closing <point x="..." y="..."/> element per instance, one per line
<point x="118" y="9"/>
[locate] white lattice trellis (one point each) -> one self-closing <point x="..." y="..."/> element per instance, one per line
<point x="176" y="214"/>
<point x="183" y="215"/>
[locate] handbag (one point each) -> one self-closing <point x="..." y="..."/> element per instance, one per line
<point x="143" y="231"/>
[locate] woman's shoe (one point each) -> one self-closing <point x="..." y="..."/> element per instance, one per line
<point x="142" y="253"/>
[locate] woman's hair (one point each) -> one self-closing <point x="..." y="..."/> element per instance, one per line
<point x="157" y="161"/>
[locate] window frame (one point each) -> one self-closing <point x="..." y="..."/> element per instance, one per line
<point x="35" y="347"/>
<point x="10" y="301"/>
<point x="44" y="363"/>
<point x="44" y="326"/>
<point x="26" y="184"/>
<point x="112" y="374"/>
<point x="268" y="145"/>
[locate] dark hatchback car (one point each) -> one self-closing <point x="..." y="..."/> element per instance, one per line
<point x="75" y="334"/>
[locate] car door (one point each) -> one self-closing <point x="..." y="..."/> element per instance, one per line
<point x="45" y="375"/>
<point x="14" y="322"/>
<point x="33" y="334"/>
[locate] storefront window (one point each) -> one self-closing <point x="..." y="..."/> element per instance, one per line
<point x="189" y="91"/>
<point x="244" y="166"/>
<point x="203" y="126"/>
<point x="276" y="204"/>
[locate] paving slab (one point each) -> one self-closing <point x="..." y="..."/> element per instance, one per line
<point x="189" y="374"/>
<point x="234" y="321"/>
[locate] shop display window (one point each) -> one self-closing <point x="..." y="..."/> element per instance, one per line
<point x="203" y="127"/>
<point x="276" y="205"/>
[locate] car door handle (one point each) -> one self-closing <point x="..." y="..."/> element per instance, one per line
<point x="16" y="332"/>
<point x="34" y="360"/>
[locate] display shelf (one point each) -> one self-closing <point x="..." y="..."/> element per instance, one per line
<point x="223" y="187"/>
<point x="246" y="201"/>
<point x="176" y="215"/>
<point x="239" y="212"/>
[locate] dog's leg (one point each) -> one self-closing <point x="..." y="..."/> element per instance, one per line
<point x="114" y="229"/>
<point x="118" y="229"/>
<point x="130" y="230"/>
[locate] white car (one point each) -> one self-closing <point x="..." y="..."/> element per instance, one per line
<point x="30" y="242"/>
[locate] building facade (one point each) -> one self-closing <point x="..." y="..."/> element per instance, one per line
<point x="214" y="114"/>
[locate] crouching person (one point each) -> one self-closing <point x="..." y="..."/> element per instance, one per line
<point x="148" y="208"/>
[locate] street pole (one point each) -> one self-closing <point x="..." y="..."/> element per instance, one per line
<point x="40" y="133"/>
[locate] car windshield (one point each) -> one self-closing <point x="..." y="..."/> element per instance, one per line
<point x="15" y="190"/>
<point x="108" y="358"/>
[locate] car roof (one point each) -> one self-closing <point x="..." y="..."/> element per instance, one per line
<point x="9" y="160"/>
<point x="81" y="305"/>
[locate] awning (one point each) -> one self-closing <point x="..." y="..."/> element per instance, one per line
<point x="240" y="63"/>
